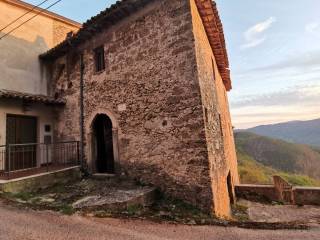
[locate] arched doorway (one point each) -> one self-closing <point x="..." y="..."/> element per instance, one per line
<point x="103" y="141"/>
<point x="230" y="189"/>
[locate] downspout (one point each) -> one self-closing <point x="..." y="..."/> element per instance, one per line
<point x="83" y="165"/>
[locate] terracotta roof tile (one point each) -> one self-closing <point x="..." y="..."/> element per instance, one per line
<point x="108" y="17"/>
<point x="213" y="25"/>
<point x="31" y="97"/>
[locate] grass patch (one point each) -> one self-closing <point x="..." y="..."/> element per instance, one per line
<point x="300" y="180"/>
<point x="22" y="196"/>
<point x="134" y="209"/>
<point x="66" y="209"/>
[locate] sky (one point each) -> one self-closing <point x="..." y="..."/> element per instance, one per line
<point x="274" y="54"/>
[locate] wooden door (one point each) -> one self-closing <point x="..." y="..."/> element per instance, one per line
<point x="21" y="130"/>
<point x="108" y="142"/>
<point x="104" y="144"/>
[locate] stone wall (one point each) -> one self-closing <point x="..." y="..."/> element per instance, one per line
<point x="306" y="195"/>
<point x="60" y="31"/>
<point x="253" y="192"/>
<point x="217" y="120"/>
<point x="150" y="90"/>
<point x="297" y="195"/>
<point x="41" y="181"/>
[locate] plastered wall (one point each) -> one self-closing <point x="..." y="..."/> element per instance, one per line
<point x="19" y="64"/>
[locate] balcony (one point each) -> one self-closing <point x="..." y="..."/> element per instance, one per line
<point x="23" y="160"/>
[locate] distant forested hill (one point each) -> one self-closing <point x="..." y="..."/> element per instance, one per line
<point x="262" y="157"/>
<point x="302" y="132"/>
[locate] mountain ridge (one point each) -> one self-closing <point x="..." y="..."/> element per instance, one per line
<point x="300" y="132"/>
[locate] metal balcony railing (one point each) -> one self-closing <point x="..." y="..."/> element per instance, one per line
<point x="19" y="160"/>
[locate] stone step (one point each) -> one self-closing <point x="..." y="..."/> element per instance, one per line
<point x="118" y="199"/>
<point x="104" y="176"/>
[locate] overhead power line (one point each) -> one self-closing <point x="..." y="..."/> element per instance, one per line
<point x="28" y="20"/>
<point x="17" y="19"/>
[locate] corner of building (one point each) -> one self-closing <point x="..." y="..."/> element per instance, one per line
<point x="217" y="120"/>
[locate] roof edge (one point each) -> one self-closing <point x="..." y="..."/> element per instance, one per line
<point x="207" y="10"/>
<point x="39" y="98"/>
<point x="47" y="13"/>
<point x="211" y="20"/>
<point x="106" y="18"/>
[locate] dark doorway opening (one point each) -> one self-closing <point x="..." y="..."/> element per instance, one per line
<point x="230" y="189"/>
<point x="102" y="127"/>
<point x="21" y="130"/>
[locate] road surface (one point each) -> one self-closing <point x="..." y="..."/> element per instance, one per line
<point x="17" y="224"/>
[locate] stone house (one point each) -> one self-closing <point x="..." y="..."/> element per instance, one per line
<point x="144" y="87"/>
<point x="155" y="104"/>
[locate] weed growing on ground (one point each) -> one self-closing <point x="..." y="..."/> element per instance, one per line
<point x="66" y="209"/>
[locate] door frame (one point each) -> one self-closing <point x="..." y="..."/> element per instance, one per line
<point x="23" y="116"/>
<point x="90" y="147"/>
<point x="37" y="130"/>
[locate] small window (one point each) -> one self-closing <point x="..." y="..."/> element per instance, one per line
<point x="99" y="59"/>
<point x="47" y="128"/>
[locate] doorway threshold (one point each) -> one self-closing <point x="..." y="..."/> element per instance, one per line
<point x="103" y="176"/>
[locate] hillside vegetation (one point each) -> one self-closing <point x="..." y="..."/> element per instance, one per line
<point x="261" y="157"/>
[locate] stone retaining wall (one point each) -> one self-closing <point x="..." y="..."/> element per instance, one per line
<point x="44" y="180"/>
<point x="306" y="196"/>
<point x="298" y="195"/>
<point x="256" y="192"/>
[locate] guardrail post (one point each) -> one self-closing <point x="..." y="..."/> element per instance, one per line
<point x="78" y="153"/>
<point x="47" y="156"/>
<point x="9" y="160"/>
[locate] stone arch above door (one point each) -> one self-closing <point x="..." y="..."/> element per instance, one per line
<point x="90" y="146"/>
<point x="107" y="112"/>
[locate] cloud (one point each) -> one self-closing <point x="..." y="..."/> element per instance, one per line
<point x="302" y="61"/>
<point x="313" y="28"/>
<point x="271" y="115"/>
<point x="293" y="96"/>
<point x="254" y="35"/>
<point x="295" y="103"/>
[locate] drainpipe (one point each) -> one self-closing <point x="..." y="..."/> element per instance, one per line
<point x="82" y="113"/>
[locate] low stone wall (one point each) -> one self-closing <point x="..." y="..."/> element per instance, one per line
<point x="306" y="196"/>
<point x="33" y="183"/>
<point x="298" y="195"/>
<point x="256" y="192"/>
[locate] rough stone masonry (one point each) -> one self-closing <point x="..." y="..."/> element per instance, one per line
<point x="163" y="88"/>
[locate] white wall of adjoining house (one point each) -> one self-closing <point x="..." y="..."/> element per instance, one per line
<point x="19" y="52"/>
<point x="43" y="113"/>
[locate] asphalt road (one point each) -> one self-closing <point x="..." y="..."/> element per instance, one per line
<point x="18" y="224"/>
